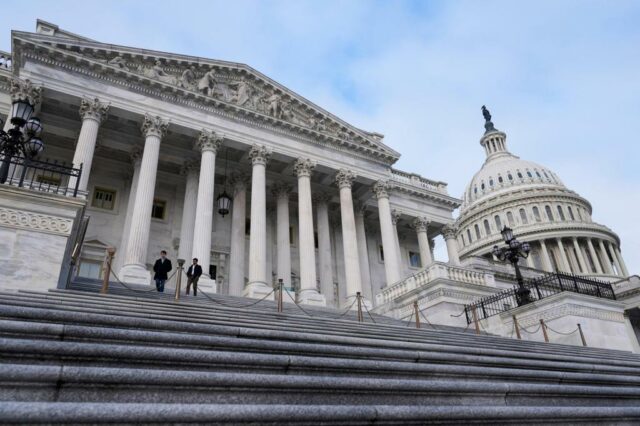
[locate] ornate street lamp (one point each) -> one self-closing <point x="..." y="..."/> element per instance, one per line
<point x="223" y="200"/>
<point x="23" y="138"/>
<point x="513" y="252"/>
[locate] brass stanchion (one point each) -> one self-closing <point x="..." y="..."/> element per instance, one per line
<point x="515" y="324"/>
<point x="475" y="320"/>
<point x="416" y="313"/>
<point x="544" y="330"/>
<point x="360" y="317"/>
<point x="179" y="278"/>
<point x="107" y="271"/>
<point x="584" y="342"/>
<point x="280" y="290"/>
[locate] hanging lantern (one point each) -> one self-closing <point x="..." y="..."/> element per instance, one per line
<point x="224" y="203"/>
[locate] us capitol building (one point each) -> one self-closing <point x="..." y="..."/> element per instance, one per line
<point x="212" y="159"/>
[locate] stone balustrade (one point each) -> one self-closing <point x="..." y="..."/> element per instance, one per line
<point x="5" y="60"/>
<point x="417" y="180"/>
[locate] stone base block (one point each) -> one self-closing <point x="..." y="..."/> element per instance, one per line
<point x="256" y="290"/>
<point x="206" y="284"/>
<point x="135" y="274"/>
<point x="312" y="297"/>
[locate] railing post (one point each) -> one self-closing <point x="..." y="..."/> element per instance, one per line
<point x="416" y="311"/>
<point x="517" y="327"/>
<point x="280" y="290"/>
<point x="107" y="271"/>
<point x="75" y="190"/>
<point x="179" y="279"/>
<point x="584" y="342"/>
<point x="560" y="282"/>
<point x="466" y="314"/>
<point x="360" y="317"/>
<point x="535" y="284"/>
<point x="475" y="320"/>
<point x="544" y="330"/>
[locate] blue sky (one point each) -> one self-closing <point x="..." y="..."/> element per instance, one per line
<point x="562" y="78"/>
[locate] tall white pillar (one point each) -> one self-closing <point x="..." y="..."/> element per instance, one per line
<point x="208" y="142"/>
<point x="395" y="216"/>
<point x="420" y="224"/>
<point x="93" y="113"/>
<point x="325" y="268"/>
<point x="281" y="192"/>
<point x="239" y="183"/>
<point x="363" y="253"/>
<point x="563" y="257"/>
<point x="581" y="261"/>
<point x="391" y="261"/>
<point x="606" y="262"/>
<point x="594" y="256"/>
<point x="615" y="258"/>
<point x="449" y="234"/>
<point x="258" y="286"/>
<point x="546" y="260"/>
<point x="190" y="171"/>
<point x="308" y="286"/>
<point x="625" y="271"/>
<point x="136" y="160"/>
<point x="344" y="180"/>
<point x="135" y="268"/>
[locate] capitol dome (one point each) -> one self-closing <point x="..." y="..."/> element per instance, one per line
<point x="532" y="200"/>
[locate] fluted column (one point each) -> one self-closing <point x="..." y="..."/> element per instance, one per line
<point x="344" y="180"/>
<point x="606" y="262"/>
<point x="308" y="287"/>
<point x="395" y="216"/>
<point x="391" y="261"/>
<point x="614" y="257"/>
<point x="136" y="160"/>
<point x="625" y="271"/>
<point x="325" y="267"/>
<point x="281" y="192"/>
<point x="190" y="171"/>
<point x="208" y="142"/>
<point x="449" y="234"/>
<point x="420" y="224"/>
<point x="546" y="260"/>
<point x="363" y="253"/>
<point x="581" y="261"/>
<point x="594" y="256"/>
<point x="238" y="234"/>
<point x="563" y="257"/>
<point x="135" y="270"/>
<point x="258" y="286"/>
<point x="93" y="113"/>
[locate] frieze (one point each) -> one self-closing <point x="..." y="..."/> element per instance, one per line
<point x="34" y="221"/>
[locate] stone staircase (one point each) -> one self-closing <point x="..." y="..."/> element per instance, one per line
<point x="71" y="356"/>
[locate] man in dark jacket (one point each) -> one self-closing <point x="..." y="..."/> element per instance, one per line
<point x="193" y="274"/>
<point x="161" y="269"/>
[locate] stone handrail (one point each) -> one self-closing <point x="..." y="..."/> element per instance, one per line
<point x="417" y="180"/>
<point x="431" y="273"/>
<point x="5" y="60"/>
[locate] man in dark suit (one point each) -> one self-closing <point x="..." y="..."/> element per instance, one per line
<point x="161" y="269"/>
<point x="193" y="275"/>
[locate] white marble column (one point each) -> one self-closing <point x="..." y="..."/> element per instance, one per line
<point x="563" y="257"/>
<point x="135" y="268"/>
<point x="546" y="260"/>
<point x="420" y="224"/>
<point x="344" y="180"/>
<point x="136" y="160"/>
<point x="391" y="261"/>
<point x="395" y="216"/>
<point x="449" y="234"/>
<point x="594" y="256"/>
<point x="625" y="271"/>
<point x="308" y="286"/>
<point x="208" y="142"/>
<point x="237" y="262"/>
<point x="190" y="172"/>
<point x="581" y="261"/>
<point x="258" y="285"/>
<point x="93" y="113"/>
<point x="325" y="268"/>
<point x="363" y="253"/>
<point x="281" y="193"/>
<point x="614" y="257"/>
<point x="606" y="262"/>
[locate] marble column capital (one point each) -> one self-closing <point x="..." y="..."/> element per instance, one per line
<point x="303" y="167"/>
<point x="259" y="154"/>
<point x="381" y="189"/>
<point x="24" y="90"/>
<point x="281" y="190"/>
<point x="189" y="166"/>
<point x="420" y="224"/>
<point x="344" y="178"/>
<point x="93" y="109"/>
<point x="449" y="231"/>
<point x="239" y="182"/>
<point x="208" y="140"/>
<point x="154" y="126"/>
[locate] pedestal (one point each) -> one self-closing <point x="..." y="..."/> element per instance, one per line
<point x="312" y="297"/>
<point x="135" y="274"/>
<point x="206" y="284"/>
<point x="257" y="290"/>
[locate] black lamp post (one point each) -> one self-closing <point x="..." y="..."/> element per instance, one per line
<point x="224" y="200"/>
<point x="513" y="252"/>
<point x="23" y="138"/>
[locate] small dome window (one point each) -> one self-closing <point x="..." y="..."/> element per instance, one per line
<point x="475" y="189"/>
<point x="500" y="180"/>
<point x="490" y="182"/>
<point x="545" y="174"/>
<point x="510" y="176"/>
<point x="482" y="186"/>
<point x="529" y="174"/>
<point x="538" y="174"/>
<point x="520" y="175"/>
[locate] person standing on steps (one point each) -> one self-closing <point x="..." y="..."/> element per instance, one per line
<point x="193" y="274"/>
<point x="161" y="269"/>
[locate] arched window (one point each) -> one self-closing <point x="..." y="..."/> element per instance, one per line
<point x="487" y="228"/>
<point x="500" y="180"/>
<point x="571" y="213"/>
<point x="545" y="174"/>
<point x="547" y="210"/>
<point x="561" y="212"/>
<point x="490" y="182"/>
<point x="475" y="189"/>
<point x="498" y="223"/>
<point x="520" y="175"/>
<point x="529" y="174"/>
<point x="523" y="217"/>
<point x="538" y="174"/>
<point x="510" y="219"/>
<point x="536" y="214"/>
<point x="510" y="176"/>
<point x="462" y="238"/>
<point x="469" y="236"/>
<point x="579" y="213"/>
<point x="482" y="186"/>
<point x="477" y="228"/>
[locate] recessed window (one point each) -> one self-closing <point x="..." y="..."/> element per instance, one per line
<point x="545" y="174"/>
<point x="579" y="213"/>
<point x="159" y="209"/>
<point x="523" y="217"/>
<point x="561" y="213"/>
<point x="90" y="269"/>
<point x="103" y="199"/>
<point x="570" y="210"/>
<point x="490" y="182"/>
<point x="315" y="239"/>
<point x="520" y="175"/>
<point x="291" y="235"/>
<point x="381" y="252"/>
<point x="247" y="228"/>
<point x="487" y="228"/>
<point x="414" y="259"/>
<point x="482" y="186"/>
<point x="536" y="214"/>
<point x="477" y="228"/>
<point x="510" y="176"/>
<point x="547" y="210"/>
<point x="510" y="219"/>
<point x="498" y="222"/>
<point x="469" y="236"/>
<point x="529" y="174"/>
<point x="538" y="174"/>
<point x="500" y="180"/>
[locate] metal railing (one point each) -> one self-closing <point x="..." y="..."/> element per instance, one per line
<point x="43" y="175"/>
<point x="541" y="287"/>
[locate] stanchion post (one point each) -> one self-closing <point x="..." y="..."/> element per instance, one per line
<point x="584" y="341"/>
<point x="544" y="330"/>
<point x="416" y="313"/>
<point x="360" y="317"/>
<point x="107" y="270"/>
<point x="475" y="320"/>
<point x="515" y="324"/>
<point x="280" y="291"/>
<point x="179" y="278"/>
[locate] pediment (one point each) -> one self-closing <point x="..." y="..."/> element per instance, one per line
<point x="229" y="87"/>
